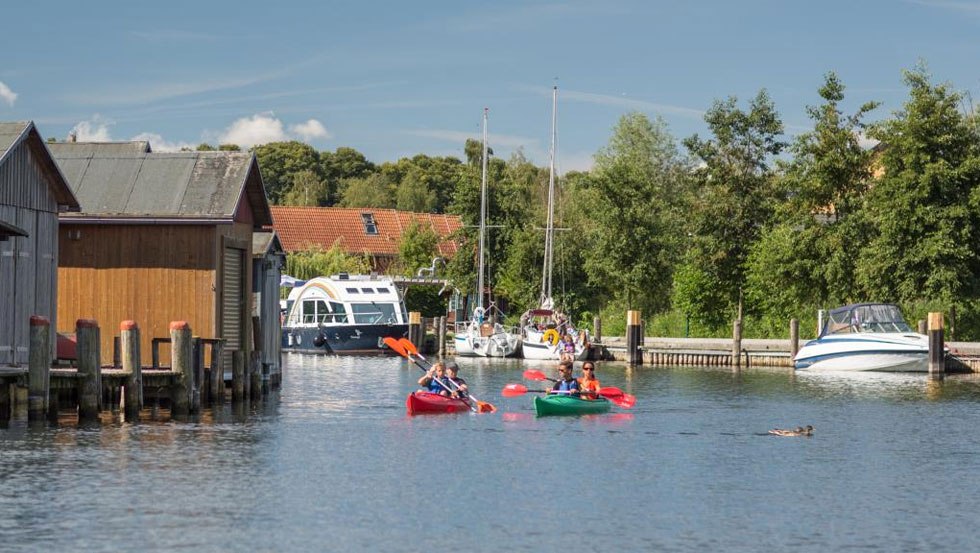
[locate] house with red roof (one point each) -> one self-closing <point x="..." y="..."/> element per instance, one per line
<point x="376" y="233"/>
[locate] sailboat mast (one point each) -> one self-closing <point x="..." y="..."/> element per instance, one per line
<point x="483" y="215"/>
<point x="549" y="232"/>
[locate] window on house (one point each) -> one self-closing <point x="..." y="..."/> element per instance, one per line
<point x="370" y="227"/>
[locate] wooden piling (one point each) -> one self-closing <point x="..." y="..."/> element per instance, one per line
<point x="921" y="327"/>
<point x="237" y="376"/>
<point x="937" y="355"/>
<point x="217" y="394"/>
<point x="255" y="377"/>
<point x="197" y="369"/>
<point x="87" y="337"/>
<point x="39" y="367"/>
<point x="182" y="364"/>
<point x="415" y="331"/>
<point x="4" y="403"/>
<point x="634" y="338"/>
<point x="737" y="343"/>
<point x="129" y="339"/>
<point x="794" y="338"/>
<point x="442" y="336"/>
<point x="597" y="329"/>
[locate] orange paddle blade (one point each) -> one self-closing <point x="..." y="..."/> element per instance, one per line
<point x="484" y="407"/>
<point x="534" y="374"/>
<point x="395" y="345"/>
<point x="409" y="346"/>
<point x="512" y="390"/>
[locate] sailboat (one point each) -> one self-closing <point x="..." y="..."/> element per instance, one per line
<point x="482" y="336"/>
<point x="546" y="333"/>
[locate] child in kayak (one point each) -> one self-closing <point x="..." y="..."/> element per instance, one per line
<point x="433" y="381"/>
<point x="456" y="384"/>
<point x="589" y="384"/>
<point x="566" y="384"/>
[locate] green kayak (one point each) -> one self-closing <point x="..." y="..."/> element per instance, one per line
<point x="568" y="405"/>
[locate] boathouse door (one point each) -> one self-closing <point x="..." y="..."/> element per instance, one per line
<point x="232" y="302"/>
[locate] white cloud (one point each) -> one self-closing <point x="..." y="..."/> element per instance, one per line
<point x="310" y="130"/>
<point x="159" y="144"/>
<point x="7" y="95"/>
<point x="94" y="130"/>
<point x="260" y="128"/>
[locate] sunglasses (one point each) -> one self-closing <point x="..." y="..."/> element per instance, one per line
<point x="588" y="368"/>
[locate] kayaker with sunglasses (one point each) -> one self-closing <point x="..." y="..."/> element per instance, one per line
<point x="589" y="384"/>
<point x="567" y="384"/>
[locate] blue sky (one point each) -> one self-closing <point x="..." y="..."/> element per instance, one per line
<point x="398" y="78"/>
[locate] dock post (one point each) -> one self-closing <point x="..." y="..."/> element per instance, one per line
<point x="4" y="403"/>
<point x="129" y="339"/>
<point x="182" y="364"/>
<point x="39" y="368"/>
<point x="87" y="336"/>
<point x="442" y="336"/>
<point x="237" y="376"/>
<point x="217" y="373"/>
<point x="255" y="377"/>
<point x="415" y="334"/>
<point x="597" y="329"/>
<point x="794" y="339"/>
<point x="197" y="369"/>
<point x="634" y="338"/>
<point x="921" y="327"/>
<point x="737" y="343"/>
<point x="937" y="355"/>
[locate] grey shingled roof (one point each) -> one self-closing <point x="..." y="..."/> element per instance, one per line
<point x="13" y="134"/>
<point x="265" y="242"/>
<point x="113" y="182"/>
<point x="100" y="148"/>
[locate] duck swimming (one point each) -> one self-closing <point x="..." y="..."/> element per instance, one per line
<point x="798" y="431"/>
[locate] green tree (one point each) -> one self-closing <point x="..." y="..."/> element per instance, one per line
<point x="314" y="261"/>
<point x="374" y="190"/>
<point x="923" y="207"/>
<point x="307" y="189"/>
<point x="735" y="199"/>
<point x="342" y="164"/>
<point x="418" y="246"/>
<point x="634" y="239"/>
<point x="280" y="161"/>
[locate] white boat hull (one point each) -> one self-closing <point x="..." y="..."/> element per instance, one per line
<point x="893" y="352"/>
<point x="464" y="346"/>
<point x="496" y="345"/>
<point x="545" y="351"/>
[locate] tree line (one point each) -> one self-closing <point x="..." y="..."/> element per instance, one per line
<point x="687" y="230"/>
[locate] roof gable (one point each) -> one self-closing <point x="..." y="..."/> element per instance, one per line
<point x="185" y="185"/>
<point x="23" y="133"/>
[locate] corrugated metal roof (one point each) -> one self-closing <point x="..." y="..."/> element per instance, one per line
<point x="13" y="134"/>
<point x="112" y="183"/>
<point x="299" y="227"/>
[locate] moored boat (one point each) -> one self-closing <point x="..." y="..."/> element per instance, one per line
<point x="559" y="404"/>
<point x="428" y="403"/>
<point x="865" y="337"/>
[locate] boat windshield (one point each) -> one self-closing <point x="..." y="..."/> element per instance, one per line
<point x="374" y="313"/>
<point x="866" y="318"/>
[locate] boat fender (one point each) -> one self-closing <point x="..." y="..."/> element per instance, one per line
<point x="319" y="340"/>
<point x="551" y="335"/>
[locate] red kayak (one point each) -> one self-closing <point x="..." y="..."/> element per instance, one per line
<point x="426" y="402"/>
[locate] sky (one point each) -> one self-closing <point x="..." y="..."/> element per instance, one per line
<point x="399" y="78"/>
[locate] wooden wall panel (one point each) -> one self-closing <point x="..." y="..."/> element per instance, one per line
<point x="150" y="274"/>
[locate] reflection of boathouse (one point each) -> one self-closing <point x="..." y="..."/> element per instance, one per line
<point x="161" y="237"/>
<point x="32" y="193"/>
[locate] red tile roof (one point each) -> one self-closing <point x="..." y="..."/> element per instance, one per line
<point x="298" y="227"/>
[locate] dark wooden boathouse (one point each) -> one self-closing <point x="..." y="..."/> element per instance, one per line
<point x="160" y="237"/>
<point x="32" y="193"/>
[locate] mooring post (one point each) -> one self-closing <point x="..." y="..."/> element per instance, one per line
<point x="197" y="369"/>
<point x="182" y="364"/>
<point x="415" y="329"/>
<point x="39" y="368"/>
<point x="87" y="337"/>
<point x="129" y="339"/>
<point x="4" y="403"/>
<point x="217" y="372"/>
<point x="921" y="327"/>
<point x="442" y="336"/>
<point x="737" y="343"/>
<point x="237" y="376"/>
<point x="794" y="339"/>
<point x="937" y="355"/>
<point x="255" y="377"/>
<point x="634" y="338"/>
<point x="597" y="329"/>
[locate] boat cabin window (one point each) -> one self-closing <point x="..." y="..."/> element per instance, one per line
<point x="367" y="290"/>
<point x="314" y="311"/>
<point x="374" y="313"/>
<point x="352" y="290"/>
<point x="867" y="318"/>
<point x="339" y="312"/>
<point x="382" y="290"/>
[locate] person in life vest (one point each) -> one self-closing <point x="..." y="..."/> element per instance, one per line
<point x="567" y="348"/>
<point x="434" y="380"/>
<point x="456" y="384"/>
<point x="589" y="384"/>
<point x="566" y="385"/>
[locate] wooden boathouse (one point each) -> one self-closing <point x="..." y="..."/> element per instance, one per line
<point x="268" y="261"/>
<point x="160" y="237"/>
<point x="32" y="194"/>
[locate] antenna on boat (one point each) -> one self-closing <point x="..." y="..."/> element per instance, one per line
<point x="549" y="233"/>
<point x="483" y="215"/>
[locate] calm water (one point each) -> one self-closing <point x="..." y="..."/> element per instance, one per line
<point x="333" y="464"/>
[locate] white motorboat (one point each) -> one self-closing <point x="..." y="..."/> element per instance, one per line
<point x="865" y="337"/>
<point x="544" y="330"/>
<point x="482" y="336"/>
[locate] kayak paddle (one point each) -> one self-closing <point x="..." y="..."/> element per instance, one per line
<point x="611" y="393"/>
<point x="614" y="395"/>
